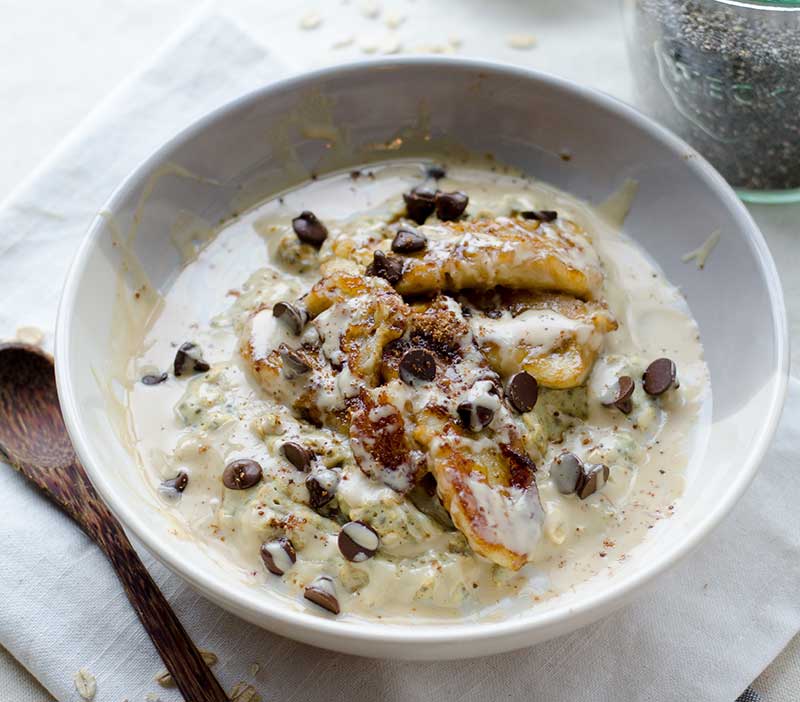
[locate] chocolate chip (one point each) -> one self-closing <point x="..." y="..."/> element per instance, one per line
<point x="293" y="363"/>
<point x="309" y="229"/>
<point x="178" y="483"/>
<point x="593" y="477"/>
<point x="292" y="316"/>
<point x="435" y="172"/>
<point x="318" y="495"/>
<point x="450" y="206"/>
<point x="523" y="391"/>
<point x="541" y="215"/>
<point x="358" y="541"/>
<point x="474" y="416"/>
<point x="241" y="474"/>
<point x="298" y="455"/>
<point x="566" y="471"/>
<point x="154" y="378"/>
<point x="420" y="204"/>
<point x="278" y="555"/>
<point x="189" y="358"/>
<point x="660" y="376"/>
<point x="417" y="364"/>
<point x="622" y="398"/>
<point x="409" y="241"/>
<point x="322" y="592"/>
<point x="387" y="267"/>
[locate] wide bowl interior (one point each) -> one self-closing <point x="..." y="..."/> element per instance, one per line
<point x="349" y="115"/>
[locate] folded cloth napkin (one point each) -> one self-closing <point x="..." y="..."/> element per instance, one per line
<point x="703" y="633"/>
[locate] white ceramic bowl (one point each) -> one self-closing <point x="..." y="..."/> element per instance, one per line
<point x="257" y="145"/>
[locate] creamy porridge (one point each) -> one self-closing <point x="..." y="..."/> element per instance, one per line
<point x="413" y="391"/>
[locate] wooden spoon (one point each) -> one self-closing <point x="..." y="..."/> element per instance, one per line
<point x="35" y="441"/>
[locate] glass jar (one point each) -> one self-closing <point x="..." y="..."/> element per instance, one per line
<point x="725" y="76"/>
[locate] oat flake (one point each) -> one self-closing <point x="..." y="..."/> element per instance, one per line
<point x="244" y="692"/>
<point x="30" y="335"/>
<point x="370" y="9"/>
<point x="311" y="21"/>
<point x="343" y="42"/>
<point x="85" y="684"/>
<point x="521" y="41"/>
<point x="165" y="679"/>
<point x="393" y="21"/>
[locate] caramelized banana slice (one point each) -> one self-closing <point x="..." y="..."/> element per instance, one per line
<point x="355" y="317"/>
<point x="555" y="337"/>
<point x="380" y="443"/>
<point x="501" y="520"/>
<point x="485" y="480"/>
<point x="338" y="353"/>
<point x="506" y="251"/>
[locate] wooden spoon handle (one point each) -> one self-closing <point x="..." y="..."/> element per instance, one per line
<point x="181" y="657"/>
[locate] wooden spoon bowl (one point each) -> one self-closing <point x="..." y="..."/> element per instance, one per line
<point x="34" y="440"/>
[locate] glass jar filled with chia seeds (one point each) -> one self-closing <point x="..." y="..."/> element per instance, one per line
<point x="725" y="76"/>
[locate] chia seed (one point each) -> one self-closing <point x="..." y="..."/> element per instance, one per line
<point x="727" y="80"/>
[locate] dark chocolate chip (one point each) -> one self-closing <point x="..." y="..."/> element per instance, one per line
<point x="435" y="172"/>
<point x="322" y="592"/>
<point x="178" y="483"/>
<point x="154" y="378"/>
<point x="189" y="358"/>
<point x="358" y="541"/>
<point x="623" y="397"/>
<point x="389" y="268"/>
<point x="309" y="229"/>
<point x="417" y="364"/>
<point x="318" y="496"/>
<point x="450" y="206"/>
<point x="593" y="477"/>
<point x="660" y="376"/>
<point x="523" y="391"/>
<point x="566" y="471"/>
<point x="408" y="241"/>
<point x="298" y="455"/>
<point x="473" y="416"/>
<point x="420" y="204"/>
<point x="293" y="362"/>
<point x="541" y="215"/>
<point x="292" y="316"/>
<point x="241" y="474"/>
<point x="278" y="555"/>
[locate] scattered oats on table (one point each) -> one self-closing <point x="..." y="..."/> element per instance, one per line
<point x="371" y="9"/>
<point x="310" y="21"/>
<point x="244" y="692"/>
<point x="344" y="42"/>
<point x="165" y="679"/>
<point x="521" y="41"/>
<point x="85" y="684"/>
<point x="30" y="335"/>
<point x="394" y="20"/>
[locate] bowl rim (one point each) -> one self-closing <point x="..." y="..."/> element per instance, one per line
<point x="562" y="617"/>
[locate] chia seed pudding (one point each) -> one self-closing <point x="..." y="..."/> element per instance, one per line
<point x="726" y="78"/>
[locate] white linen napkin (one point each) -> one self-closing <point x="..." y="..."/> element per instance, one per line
<point x="703" y="633"/>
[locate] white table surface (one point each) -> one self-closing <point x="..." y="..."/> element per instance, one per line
<point x="59" y="59"/>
